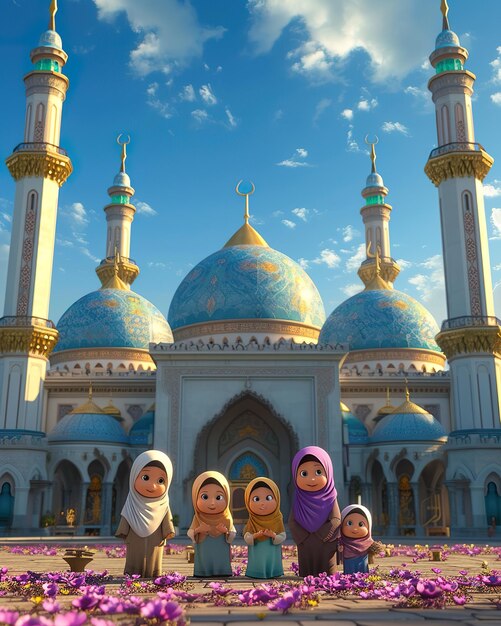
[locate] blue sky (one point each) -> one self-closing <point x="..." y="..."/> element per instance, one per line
<point x="282" y="92"/>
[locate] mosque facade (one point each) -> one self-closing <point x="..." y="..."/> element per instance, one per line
<point x="247" y="367"/>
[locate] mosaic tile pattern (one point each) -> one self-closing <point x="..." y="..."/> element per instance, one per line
<point x="408" y="427"/>
<point x="88" y="427"/>
<point x="141" y="432"/>
<point x="357" y="432"/>
<point x="112" y="318"/>
<point x="246" y="282"/>
<point x="381" y="319"/>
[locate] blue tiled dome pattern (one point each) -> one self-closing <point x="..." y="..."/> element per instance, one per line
<point x="357" y="432"/>
<point x="246" y="282"/>
<point x="447" y="39"/>
<point x="112" y="318"/>
<point x="95" y="427"/>
<point x="408" y="427"/>
<point x="381" y="318"/>
<point x="141" y="432"/>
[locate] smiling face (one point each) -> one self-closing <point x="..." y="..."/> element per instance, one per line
<point x="355" y="526"/>
<point x="311" y="476"/>
<point x="211" y="499"/>
<point x="151" y="482"/>
<point x="262" y="501"/>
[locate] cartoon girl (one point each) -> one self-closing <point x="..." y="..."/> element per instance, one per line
<point x="146" y="520"/>
<point x="265" y="531"/>
<point x="315" y="517"/>
<point x="356" y="541"/>
<point x="212" y="529"/>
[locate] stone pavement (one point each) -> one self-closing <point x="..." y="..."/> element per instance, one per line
<point x="330" y="611"/>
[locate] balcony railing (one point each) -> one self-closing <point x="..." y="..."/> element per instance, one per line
<point x="456" y="146"/>
<point x="25" y="320"/>
<point x="110" y="259"/>
<point x="470" y="320"/>
<point x="40" y="146"/>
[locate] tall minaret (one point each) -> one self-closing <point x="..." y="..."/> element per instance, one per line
<point x="470" y="337"/>
<point x="39" y="167"/>
<point x="119" y="215"/>
<point x="376" y="217"/>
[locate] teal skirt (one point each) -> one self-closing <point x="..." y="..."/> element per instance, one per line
<point x="212" y="557"/>
<point x="265" y="560"/>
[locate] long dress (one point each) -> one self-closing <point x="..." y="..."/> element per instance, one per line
<point x="314" y="554"/>
<point x="144" y="554"/>
<point x="213" y="555"/>
<point x="264" y="557"/>
<point x="356" y="564"/>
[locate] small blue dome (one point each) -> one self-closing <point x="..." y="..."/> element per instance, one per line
<point x="112" y="318"/>
<point x="447" y="39"/>
<point x="50" y="39"/>
<point x="141" y="432"/>
<point x="374" y="180"/>
<point x="95" y="427"/>
<point x="121" y="180"/>
<point x="246" y="282"/>
<point x="409" y="422"/>
<point x="381" y="318"/>
<point x="357" y="432"/>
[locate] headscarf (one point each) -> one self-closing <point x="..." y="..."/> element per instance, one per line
<point x="274" y="521"/>
<point x="146" y="514"/>
<point x="225" y="516"/>
<point x="353" y="547"/>
<point x="311" y="508"/>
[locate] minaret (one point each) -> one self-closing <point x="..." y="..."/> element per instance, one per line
<point x="39" y="167"/>
<point x="470" y="337"/>
<point x="119" y="215"/>
<point x="376" y="217"/>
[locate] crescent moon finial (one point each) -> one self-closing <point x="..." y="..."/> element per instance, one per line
<point x="372" y="144"/>
<point x="246" y="195"/>
<point x="123" y="143"/>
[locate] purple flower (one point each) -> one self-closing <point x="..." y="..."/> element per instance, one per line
<point x="71" y="618"/>
<point x="33" y="620"/>
<point x="8" y="617"/>
<point x="50" y="605"/>
<point x="50" y="589"/>
<point x="86" y="602"/>
<point x="437" y="570"/>
<point x="98" y="621"/>
<point x="428" y="589"/>
<point x="460" y="600"/>
<point x="162" y="610"/>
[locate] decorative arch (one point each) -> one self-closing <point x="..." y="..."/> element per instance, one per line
<point x="67" y="490"/>
<point x="433" y="496"/>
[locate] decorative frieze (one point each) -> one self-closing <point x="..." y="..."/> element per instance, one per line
<point x="56" y="167"/>
<point x="486" y="340"/>
<point x="458" y="165"/>
<point x="31" y="340"/>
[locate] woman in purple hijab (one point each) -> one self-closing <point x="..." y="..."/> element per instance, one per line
<point x="315" y="516"/>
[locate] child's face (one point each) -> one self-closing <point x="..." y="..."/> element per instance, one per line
<point x="311" y="476"/>
<point x="262" y="501"/>
<point x="151" y="482"/>
<point x="355" y="526"/>
<point x="211" y="499"/>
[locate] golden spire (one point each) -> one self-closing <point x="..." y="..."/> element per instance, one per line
<point x="124" y="145"/>
<point x="372" y="144"/>
<point x="377" y="281"/>
<point x="444" y="7"/>
<point x="52" y="13"/>
<point x="407" y="394"/>
<point x="115" y="282"/>
<point x="90" y="391"/>
<point x="388" y="403"/>
<point x="89" y="406"/>
<point x="246" y="235"/>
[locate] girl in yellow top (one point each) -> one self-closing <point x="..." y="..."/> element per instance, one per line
<point x="212" y="529"/>
<point x="264" y="532"/>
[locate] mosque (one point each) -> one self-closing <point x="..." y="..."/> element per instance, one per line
<point x="246" y="368"/>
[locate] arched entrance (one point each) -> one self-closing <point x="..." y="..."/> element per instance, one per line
<point x="6" y="503"/>
<point x="119" y="492"/>
<point x="67" y="491"/>
<point x="380" y="515"/>
<point x="493" y="500"/>
<point x="433" y="498"/>
<point x="245" y="440"/>
<point x="406" y="500"/>
<point x="94" y="495"/>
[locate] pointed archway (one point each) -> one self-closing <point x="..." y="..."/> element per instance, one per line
<point x="248" y="438"/>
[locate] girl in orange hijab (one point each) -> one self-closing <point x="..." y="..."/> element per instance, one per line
<point x="212" y="529"/>
<point x="264" y="532"/>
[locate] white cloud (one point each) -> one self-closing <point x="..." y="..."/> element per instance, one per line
<point x="86" y="252"/>
<point x="78" y="214"/>
<point x="404" y="264"/>
<point x="231" y="119"/>
<point x="351" y="142"/>
<point x="296" y="160"/>
<point x="302" y="213"/>
<point x="352" y="289"/>
<point x="278" y="115"/>
<point x="277" y="213"/>
<point x="157" y="265"/>
<point x="188" y="94"/>
<point x="392" y="127"/>
<point x="397" y="37"/>
<point x="64" y="243"/>
<point x="289" y="223"/>
<point x="417" y="92"/>
<point x="496" y="223"/>
<point x="304" y="263"/>
<point x="347" y="114"/>
<point x="170" y="30"/>
<point x="431" y="286"/>
<point x="144" y="208"/>
<point x="328" y="257"/>
<point x="365" y="104"/>
<point x="496" y="67"/>
<point x="353" y="262"/>
<point x="349" y="232"/>
<point x="207" y="95"/>
<point x="200" y="115"/>
<point x="496" y="98"/>
<point x="324" y="104"/>
<point x="492" y="190"/>
<point x="163" y="108"/>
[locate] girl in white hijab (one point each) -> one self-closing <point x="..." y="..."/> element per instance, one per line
<point x="146" y="520"/>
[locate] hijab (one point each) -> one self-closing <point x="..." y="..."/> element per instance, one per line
<point x="353" y="547"/>
<point x="274" y="521"/>
<point x="311" y="508"/>
<point x="146" y="514"/>
<point x="225" y="516"/>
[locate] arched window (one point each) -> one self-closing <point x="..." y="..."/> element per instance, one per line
<point x="39" y="124"/>
<point x="460" y="124"/>
<point x="446" y="130"/>
<point x="27" y="126"/>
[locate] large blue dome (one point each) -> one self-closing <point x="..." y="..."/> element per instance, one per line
<point x="141" y="432"/>
<point x="409" y="422"/>
<point x="96" y="427"/>
<point x="381" y="318"/>
<point x="243" y="282"/>
<point x="357" y="432"/>
<point x="112" y="318"/>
